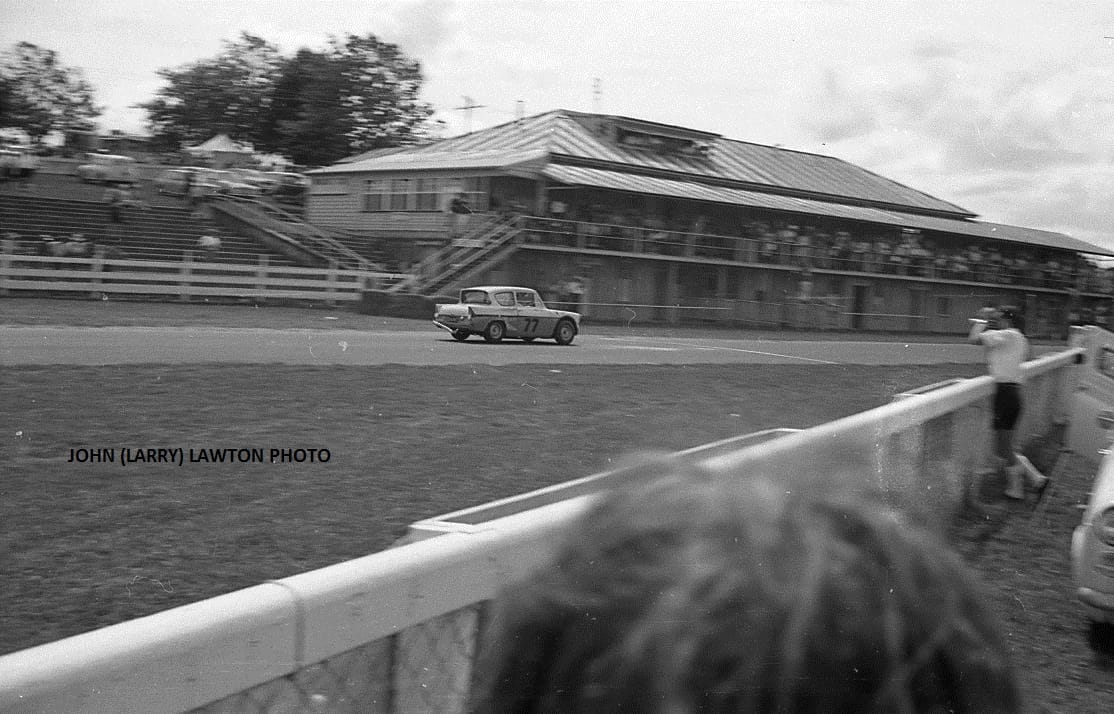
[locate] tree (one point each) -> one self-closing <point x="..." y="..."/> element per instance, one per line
<point x="230" y="94"/>
<point x="40" y="95"/>
<point x="356" y="94"/>
<point x="379" y="93"/>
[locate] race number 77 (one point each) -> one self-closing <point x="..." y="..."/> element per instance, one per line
<point x="531" y="324"/>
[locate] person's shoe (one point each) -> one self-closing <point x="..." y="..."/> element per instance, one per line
<point x="1015" y="482"/>
<point x="1033" y="477"/>
<point x="1040" y="489"/>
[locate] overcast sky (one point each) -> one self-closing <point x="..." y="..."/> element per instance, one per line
<point x="1001" y="106"/>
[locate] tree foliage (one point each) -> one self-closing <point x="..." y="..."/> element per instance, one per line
<point x="316" y="106"/>
<point x="226" y="94"/>
<point x="39" y="94"/>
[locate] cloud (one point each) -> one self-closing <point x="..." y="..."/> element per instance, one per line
<point x="1027" y="145"/>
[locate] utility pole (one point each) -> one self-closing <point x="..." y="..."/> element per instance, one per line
<point x="467" y="108"/>
<point x="519" y="110"/>
<point x="597" y="95"/>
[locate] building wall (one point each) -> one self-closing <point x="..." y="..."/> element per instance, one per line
<point x="652" y="290"/>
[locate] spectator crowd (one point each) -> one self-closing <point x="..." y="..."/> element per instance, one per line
<point x="892" y="251"/>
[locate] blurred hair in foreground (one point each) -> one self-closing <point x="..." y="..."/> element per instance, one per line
<point x="692" y="591"/>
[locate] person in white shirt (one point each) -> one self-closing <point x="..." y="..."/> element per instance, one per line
<point x="999" y="331"/>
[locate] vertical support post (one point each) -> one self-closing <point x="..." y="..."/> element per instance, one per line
<point x="331" y="289"/>
<point x="7" y="248"/>
<point x="261" y="278"/>
<point x="96" y="268"/>
<point x="184" y="277"/>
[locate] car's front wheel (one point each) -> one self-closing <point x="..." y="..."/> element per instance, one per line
<point x="495" y="331"/>
<point x="461" y="335"/>
<point x="565" y="332"/>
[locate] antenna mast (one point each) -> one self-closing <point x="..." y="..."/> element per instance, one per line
<point x="467" y="108"/>
<point x="597" y="94"/>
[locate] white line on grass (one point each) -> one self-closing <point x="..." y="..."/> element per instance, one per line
<point x="713" y="348"/>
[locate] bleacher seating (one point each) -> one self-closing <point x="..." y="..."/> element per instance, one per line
<point x="155" y="232"/>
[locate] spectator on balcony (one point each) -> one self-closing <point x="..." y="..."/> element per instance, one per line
<point x="460" y="211"/>
<point x="860" y="255"/>
<point x="841" y="251"/>
<point x="786" y="244"/>
<point x="115" y="196"/>
<point x="689" y="591"/>
<point x="802" y="250"/>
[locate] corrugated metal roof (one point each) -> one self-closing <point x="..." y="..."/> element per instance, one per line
<point x="620" y="181"/>
<point x="579" y="136"/>
<point x="492" y="159"/>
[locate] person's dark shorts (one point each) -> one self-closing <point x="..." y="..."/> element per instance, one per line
<point x="1007" y="406"/>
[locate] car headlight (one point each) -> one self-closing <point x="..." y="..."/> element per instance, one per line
<point x="1104" y="526"/>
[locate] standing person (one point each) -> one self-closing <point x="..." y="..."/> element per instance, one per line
<point x="28" y="164"/>
<point x="210" y="245"/>
<point x="999" y="331"/>
<point x="460" y="211"/>
<point x="114" y="196"/>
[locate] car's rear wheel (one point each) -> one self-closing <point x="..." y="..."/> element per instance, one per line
<point x="495" y="331"/>
<point x="461" y="335"/>
<point x="565" y="332"/>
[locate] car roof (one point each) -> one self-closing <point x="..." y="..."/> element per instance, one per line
<point x="490" y="288"/>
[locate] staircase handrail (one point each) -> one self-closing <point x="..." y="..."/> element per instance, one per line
<point x="444" y="254"/>
<point x="494" y="241"/>
<point x="287" y="223"/>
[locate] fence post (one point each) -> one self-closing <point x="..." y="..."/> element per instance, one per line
<point x="96" y="268"/>
<point x="7" y="248"/>
<point x="261" y="278"/>
<point x="184" y="276"/>
<point x="331" y="280"/>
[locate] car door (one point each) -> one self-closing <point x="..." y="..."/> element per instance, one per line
<point x="535" y="320"/>
<point x="505" y="309"/>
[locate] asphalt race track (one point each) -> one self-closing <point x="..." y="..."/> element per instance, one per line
<point x="197" y="345"/>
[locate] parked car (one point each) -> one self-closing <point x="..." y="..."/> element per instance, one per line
<point x="108" y="168"/>
<point x="9" y="163"/>
<point x="173" y="182"/>
<point x="501" y="311"/>
<point x="1092" y="549"/>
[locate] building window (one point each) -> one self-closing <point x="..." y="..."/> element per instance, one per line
<point x="424" y="194"/>
<point x="321" y="186"/>
<point x="944" y="306"/>
<point x="400" y="194"/>
<point x="373" y="195"/>
<point x="427" y="194"/>
<point x="475" y="189"/>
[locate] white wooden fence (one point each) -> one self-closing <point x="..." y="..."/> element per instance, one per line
<point x="396" y="631"/>
<point x="185" y="279"/>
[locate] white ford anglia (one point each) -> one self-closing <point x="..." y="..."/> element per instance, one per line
<point x="498" y="311"/>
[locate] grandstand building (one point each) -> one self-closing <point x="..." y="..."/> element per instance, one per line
<point x="679" y="225"/>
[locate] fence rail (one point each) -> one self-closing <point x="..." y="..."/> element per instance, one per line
<point x="396" y="631"/>
<point x="185" y="279"/>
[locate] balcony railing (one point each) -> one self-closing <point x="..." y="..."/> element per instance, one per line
<point x="768" y="251"/>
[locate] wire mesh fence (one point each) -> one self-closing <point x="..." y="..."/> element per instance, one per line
<point x="424" y="668"/>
